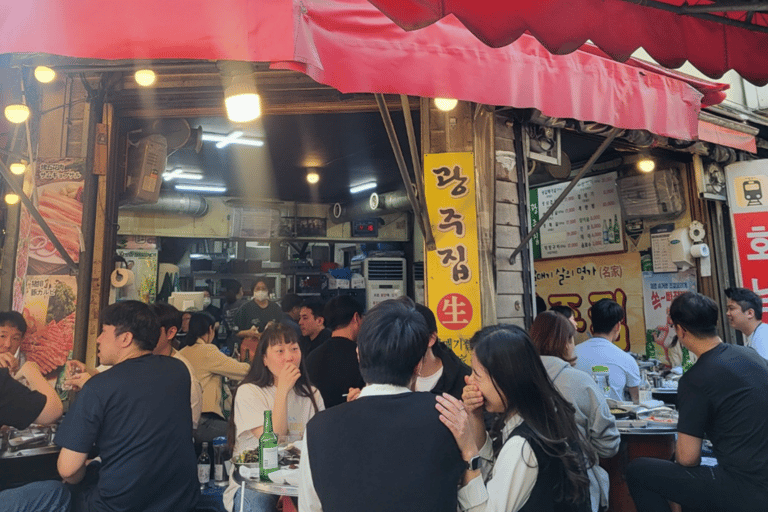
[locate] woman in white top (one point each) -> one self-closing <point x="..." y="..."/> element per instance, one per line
<point x="276" y="381"/>
<point x="535" y="459"/>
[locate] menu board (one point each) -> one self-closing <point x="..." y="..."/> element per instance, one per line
<point x="588" y="221"/>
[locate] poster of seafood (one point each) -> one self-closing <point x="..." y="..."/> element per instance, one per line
<point x="49" y="310"/>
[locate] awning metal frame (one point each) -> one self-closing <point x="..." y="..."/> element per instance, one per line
<point x="703" y="12"/>
<point x="609" y="136"/>
<point x="417" y="203"/>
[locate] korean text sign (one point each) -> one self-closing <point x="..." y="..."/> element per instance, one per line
<point x="747" y="188"/>
<point x="452" y="270"/>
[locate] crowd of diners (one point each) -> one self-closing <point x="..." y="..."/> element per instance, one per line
<point x="391" y="418"/>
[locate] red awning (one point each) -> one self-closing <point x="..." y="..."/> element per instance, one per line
<point x="618" y="27"/>
<point x="352" y="46"/>
<point x="727" y="136"/>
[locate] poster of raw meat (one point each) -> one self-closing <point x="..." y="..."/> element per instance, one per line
<point x="659" y="290"/>
<point x="49" y="310"/>
<point x="58" y="195"/>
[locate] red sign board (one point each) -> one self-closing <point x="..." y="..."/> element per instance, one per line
<point x="752" y="240"/>
<point x="454" y="311"/>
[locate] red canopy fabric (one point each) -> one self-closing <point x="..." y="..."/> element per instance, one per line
<point x="617" y="27"/>
<point x="352" y="46"/>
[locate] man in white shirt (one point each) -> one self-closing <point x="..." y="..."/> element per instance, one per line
<point x="745" y="313"/>
<point x="623" y="373"/>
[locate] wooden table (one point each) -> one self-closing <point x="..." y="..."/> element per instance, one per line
<point x="657" y="443"/>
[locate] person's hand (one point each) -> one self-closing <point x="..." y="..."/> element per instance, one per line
<point x="74" y="367"/>
<point x="77" y="381"/>
<point x="7" y="360"/>
<point x="472" y="397"/>
<point x="353" y="394"/>
<point x="287" y="377"/>
<point x="454" y="415"/>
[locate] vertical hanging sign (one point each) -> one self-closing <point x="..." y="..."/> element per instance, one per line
<point x="747" y="197"/>
<point x="452" y="270"/>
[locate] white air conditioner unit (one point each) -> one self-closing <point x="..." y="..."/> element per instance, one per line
<point x="419" y="293"/>
<point x="384" y="278"/>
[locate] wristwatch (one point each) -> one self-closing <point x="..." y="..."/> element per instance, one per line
<point x="473" y="464"/>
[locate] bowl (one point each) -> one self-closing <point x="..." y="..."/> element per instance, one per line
<point x="619" y="412"/>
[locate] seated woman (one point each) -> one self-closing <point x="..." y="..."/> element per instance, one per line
<point x="535" y="459"/>
<point x="276" y="381"/>
<point x="211" y="367"/>
<point x="552" y="335"/>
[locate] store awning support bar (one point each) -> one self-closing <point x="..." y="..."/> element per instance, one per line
<point x="18" y="189"/>
<point x="418" y="173"/>
<point x="417" y="210"/>
<point x="610" y="135"/>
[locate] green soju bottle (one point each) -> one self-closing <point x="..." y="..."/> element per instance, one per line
<point x="650" y="349"/>
<point x="686" y="360"/>
<point x="267" y="449"/>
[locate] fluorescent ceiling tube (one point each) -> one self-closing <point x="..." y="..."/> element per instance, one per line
<point x="235" y="137"/>
<point x="362" y="187"/>
<point x="213" y="189"/>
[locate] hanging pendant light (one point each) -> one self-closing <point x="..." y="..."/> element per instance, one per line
<point x="17" y="113"/>
<point x="241" y="99"/>
<point x="44" y="74"/>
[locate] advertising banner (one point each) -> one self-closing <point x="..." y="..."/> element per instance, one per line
<point x="452" y="278"/>
<point x="747" y="187"/>
<point x="659" y="290"/>
<point x="143" y="265"/>
<point x="580" y="282"/>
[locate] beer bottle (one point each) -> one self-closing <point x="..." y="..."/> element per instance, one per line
<point x="204" y="467"/>
<point x="267" y="449"/>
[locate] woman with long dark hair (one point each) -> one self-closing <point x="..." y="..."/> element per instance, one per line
<point x="276" y="381"/>
<point x="534" y="459"/>
<point x="552" y="335"/>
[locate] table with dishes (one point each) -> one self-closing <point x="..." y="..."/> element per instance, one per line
<point x="27" y="455"/>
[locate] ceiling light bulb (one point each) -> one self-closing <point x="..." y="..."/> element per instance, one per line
<point x="17" y="113"/>
<point x="446" y="104"/>
<point x="145" y="77"/>
<point x="313" y="177"/>
<point x="242" y="108"/>
<point x="18" y="168"/>
<point x="646" y="165"/>
<point x="44" y="74"/>
<point x="12" y="198"/>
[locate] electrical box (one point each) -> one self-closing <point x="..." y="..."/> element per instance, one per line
<point x="146" y="165"/>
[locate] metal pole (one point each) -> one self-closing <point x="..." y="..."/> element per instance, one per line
<point x="399" y="156"/>
<point x="418" y="172"/>
<point x="607" y="142"/>
<point x="90" y="196"/>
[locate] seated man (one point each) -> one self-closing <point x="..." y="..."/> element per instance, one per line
<point x="386" y="451"/>
<point x="724" y="397"/>
<point x="600" y="351"/>
<point x="19" y="408"/>
<point x="745" y="314"/>
<point x="312" y="325"/>
<point x="333" y="367"/>
<point x="137" y="415"/>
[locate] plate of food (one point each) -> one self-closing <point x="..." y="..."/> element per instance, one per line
<point x="661" y="421"/>
<point x="247" y="463"/>
<point x="619" y="412"/>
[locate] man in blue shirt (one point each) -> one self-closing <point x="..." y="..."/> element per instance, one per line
<point x="137" y="416"/>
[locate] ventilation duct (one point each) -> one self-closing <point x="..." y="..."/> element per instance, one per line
<point x="178" y="204"/>
<point x="373" y="206"/>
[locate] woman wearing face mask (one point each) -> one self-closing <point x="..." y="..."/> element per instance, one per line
<point x="535" y="459"/>
<point x="552" y="335"/>
<point x="208" y="307"/>
<point x="278" y="382"/>
<point x="211" y="366"/>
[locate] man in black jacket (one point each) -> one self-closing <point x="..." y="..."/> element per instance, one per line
<point x="441" y="371"/>
<point x="387" y="450"/>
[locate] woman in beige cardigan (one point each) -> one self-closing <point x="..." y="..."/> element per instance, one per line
<point x="211" y="366"/>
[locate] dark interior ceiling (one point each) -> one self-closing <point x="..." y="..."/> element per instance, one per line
<point x="304" y="125"/>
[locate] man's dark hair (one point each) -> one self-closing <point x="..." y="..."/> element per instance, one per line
<point x="605" y="314"/>
<point x="317" y="308"/>
<point x="340" y="311"/>
<point x="232" y="287"/>
<point x="746" y="299"/>
<point x="168" y="315"/>
<point x="134" y="317"/>
<point x="392" y="340"/>
<point x="290" y="301"/>
<point x="429" y="317"/>
<point x="696" y="313"/>
<point x="563" y="310"/>
<point x="541" y="304"/>
<point x="13" y="319"/>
